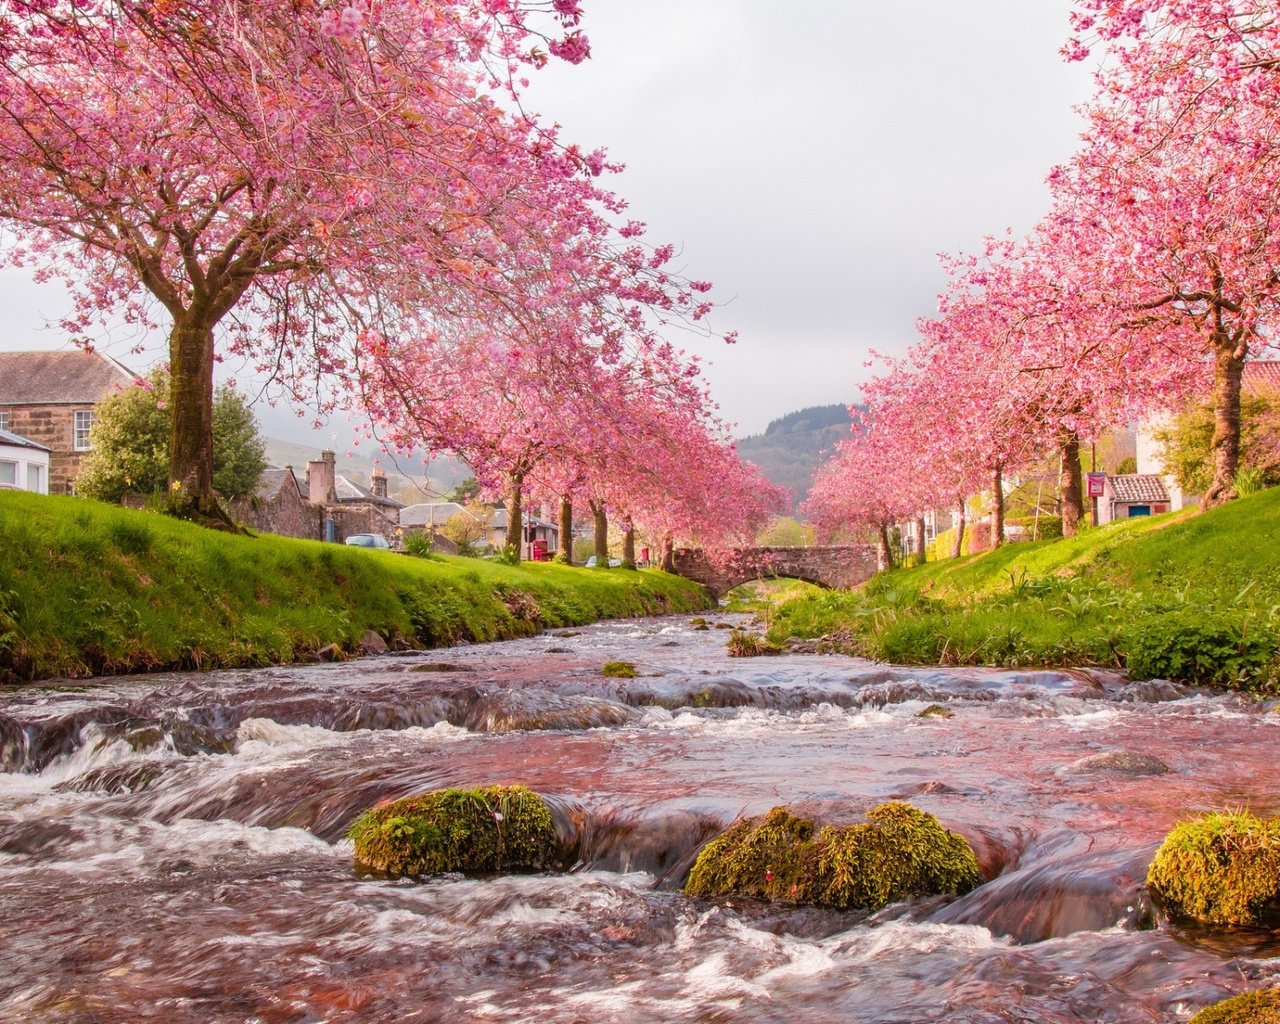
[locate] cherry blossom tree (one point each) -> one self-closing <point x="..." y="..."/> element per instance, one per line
<point x="274" y="180"/>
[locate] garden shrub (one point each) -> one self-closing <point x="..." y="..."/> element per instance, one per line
<point x="1194" y="647"/>
<point x="1221" y="868"/>
<point x="896" y="853"/>
<point x="496" y="828"/>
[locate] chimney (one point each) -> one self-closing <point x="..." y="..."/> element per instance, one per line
<point x="321" y="480"/>
<point x="378" y="483"/>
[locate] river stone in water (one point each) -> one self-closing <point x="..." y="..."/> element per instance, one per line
<point x="1122" y="762"/>
<point x="1250" y="1008"/>
<point x="531" y="710"/>
<point x="897" y="853"/>
<point x="496" y="828"/>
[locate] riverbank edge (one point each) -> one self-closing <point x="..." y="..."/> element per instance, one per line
<point x="1188" y="597"/>
<point x="89" y="589"/>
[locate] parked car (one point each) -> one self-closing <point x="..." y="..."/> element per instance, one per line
<point x="614" y="562"/>
<point x="368" y="540"/>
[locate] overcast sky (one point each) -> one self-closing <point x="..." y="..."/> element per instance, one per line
<point x="811" y="159"/>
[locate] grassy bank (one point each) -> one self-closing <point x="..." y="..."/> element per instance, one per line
<point x="87" y="588"/>
<point x="1180" y="596"/>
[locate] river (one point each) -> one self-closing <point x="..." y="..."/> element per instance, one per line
<point x="171" y="846"/>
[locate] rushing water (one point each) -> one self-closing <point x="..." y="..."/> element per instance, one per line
<point x="171" y="847"/>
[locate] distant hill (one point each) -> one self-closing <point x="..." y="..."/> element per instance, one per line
<point x="792" y="447"/>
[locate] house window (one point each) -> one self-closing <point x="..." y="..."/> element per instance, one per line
<point x="4" y="420"/>
<point x="8" y="474"/>
<point x="1139" y="510"/>
<point x="84" y="423"/>
<point x="33" y="478"/>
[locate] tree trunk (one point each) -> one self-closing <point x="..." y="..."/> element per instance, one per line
<point x="886" y="550"/>
<point x="602" y="535"/>
<point x="1070" y="484"/>
<point x="191" y="425"/>
<point x="565" y="554"/>
<point x="922" y="555"/>
<point x="1224" y="449"/>
<point x="514" y="546"/>
<point x="668" y="554"/>
<point x="958" y="548"/>
<point x="997" y="516"/>
<point x="628" y="544"/>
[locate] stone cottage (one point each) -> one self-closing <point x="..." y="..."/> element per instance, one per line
<point x="51" y="398"/>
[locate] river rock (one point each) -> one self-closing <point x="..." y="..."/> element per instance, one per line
<point x="1250" y="1008"/>
<point x="534" y="710"/>
<point x="331" y="652"/>
<point x="372" y="644"/>
<point x="1121" y="762"/>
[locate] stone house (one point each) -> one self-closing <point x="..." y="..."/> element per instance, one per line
<point x="24" y="465"/>
<point x="325" y="505"/>
<point x="1132" y="494"/>
<point x="50" y="398"/>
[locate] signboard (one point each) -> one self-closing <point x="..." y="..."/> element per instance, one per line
<point x="1097" y="484"/>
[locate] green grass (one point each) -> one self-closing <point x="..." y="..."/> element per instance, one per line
<point x="88" y="588"/>
<point x="1183" y="596"/>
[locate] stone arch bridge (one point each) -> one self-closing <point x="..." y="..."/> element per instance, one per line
<point x="834" y="567"/>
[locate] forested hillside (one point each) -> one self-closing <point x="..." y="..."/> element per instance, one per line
<point x="791" y="447"/>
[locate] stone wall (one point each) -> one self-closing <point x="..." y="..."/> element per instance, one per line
<point x="840" y="568"/>
<point x="285" y="514"/>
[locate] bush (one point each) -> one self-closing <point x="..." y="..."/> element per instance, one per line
<point x="1042" y="528"/>
<point x="897" y="853"/>
<point x="497" y="828"/>
<point x="417" y="544"/>
<point x="1195" y="647"/>
<point x="1251" y="1008"/>
<point x="1221" y="868"/>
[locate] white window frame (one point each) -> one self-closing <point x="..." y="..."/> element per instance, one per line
<point x="80" y="434"/>
<point x="34" y="469"/>
<point x="14" y="465"/>
<point x="4" y="419"/>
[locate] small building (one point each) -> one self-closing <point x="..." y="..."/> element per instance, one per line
<point x="24" y="465"/>
<point x="1132" y="494"/>
<point x="541" y="539"/>
<point x="51" y="398"/>
<point x="277" y="505"/>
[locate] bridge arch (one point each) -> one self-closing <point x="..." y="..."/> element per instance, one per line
<point x="839" y="567"/>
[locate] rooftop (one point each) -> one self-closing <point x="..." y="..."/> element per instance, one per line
<point x="1137" y="487"/>
<point x="430" y="513"/>
<point x="18" y="441"/>
<point x="73" y="377"/>
<point x="1261" y="375"/>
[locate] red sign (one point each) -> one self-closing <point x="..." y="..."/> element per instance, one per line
<point x="1097" y="484"/>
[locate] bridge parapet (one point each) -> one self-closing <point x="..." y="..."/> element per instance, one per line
<point x="839" y="567"/>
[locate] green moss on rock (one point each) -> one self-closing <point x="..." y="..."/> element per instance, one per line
<point x="1221" y="868"/>
<point x="896" y="853"/>
<point x="1251" y="1008"/>
<point x="619" y="669"/>
<point x="496" y="828"/>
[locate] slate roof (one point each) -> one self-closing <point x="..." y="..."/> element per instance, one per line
<point x="430" y="513"/>
<point x="347" y="491"/>
<point x="499" y="520"/>
<point x="59" y="378"/>
<point x="1141" y="488"/>
<point x="18" y="441"/>
<point x="1261" y="375"/>
<point x="272" y="482"/>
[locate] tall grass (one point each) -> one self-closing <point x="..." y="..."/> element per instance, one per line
<point x="88" y="588"/>
<point x="1189" y="597"/>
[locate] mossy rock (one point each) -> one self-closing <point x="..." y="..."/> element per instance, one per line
<point x="619" y="670"/>
<point x="496" y="828"/>
<point x="1251" y="1008"/>
<point x="936" y="711"/>
<point x="898" y="852"/>
<point x="1221" y="868"/>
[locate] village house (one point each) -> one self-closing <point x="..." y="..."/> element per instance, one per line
<point x="1128" y="495"/>
<point x="50" y="398"/>
<point x="324" y="505"/>
<point x="24" y="465"/>
<point x="541" y="538"/>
